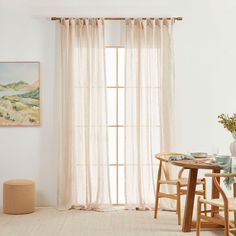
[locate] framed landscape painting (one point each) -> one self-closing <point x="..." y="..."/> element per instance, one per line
<point x="19" y="94"/>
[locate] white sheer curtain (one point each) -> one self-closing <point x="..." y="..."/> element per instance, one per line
<point x="149" y="93"/>
<point x="83" y="156"/>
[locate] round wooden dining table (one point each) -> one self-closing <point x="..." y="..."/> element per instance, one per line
<point x="194" y="166"/>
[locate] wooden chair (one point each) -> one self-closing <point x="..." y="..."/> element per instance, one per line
<point x="224" y="204"/>
<point x="180" y="183"/>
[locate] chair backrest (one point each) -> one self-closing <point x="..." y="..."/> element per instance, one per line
<point x="164" y="157"/>
<point x="216" y="177"/>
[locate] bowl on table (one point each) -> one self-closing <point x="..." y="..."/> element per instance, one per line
<point x="199" y="154"/>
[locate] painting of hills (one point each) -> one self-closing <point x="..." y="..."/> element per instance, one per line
<point x="19" y="94"/>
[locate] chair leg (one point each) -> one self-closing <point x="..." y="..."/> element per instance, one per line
<point x="156" y="201"/>
<point x="157" y="190"/>
<point x="226" y="214"/>
<point x="198" y="226"/>
<point x="234" y="223"/>
<point x="204" y="195"/>
<point x="178" y="206"/>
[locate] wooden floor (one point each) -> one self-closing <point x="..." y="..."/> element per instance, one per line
<point x="51" y="222"/>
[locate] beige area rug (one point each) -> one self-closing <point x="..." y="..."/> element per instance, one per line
<point x="51" y="222"/>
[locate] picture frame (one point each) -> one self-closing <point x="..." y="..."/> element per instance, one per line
<point x="20" y="94"/>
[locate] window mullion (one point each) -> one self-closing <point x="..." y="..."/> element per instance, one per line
<point x="117" y="134"/>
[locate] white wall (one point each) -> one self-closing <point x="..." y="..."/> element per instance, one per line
<point x="28" y="152"/>
<point x="205" y="75"/>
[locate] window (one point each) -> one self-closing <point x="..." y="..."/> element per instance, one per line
<point x="115" y="106"/>
<point x="115" y="73"/>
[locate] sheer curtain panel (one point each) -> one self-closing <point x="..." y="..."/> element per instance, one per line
<point x="149" y="109"/>
<point x="83" y="181"/>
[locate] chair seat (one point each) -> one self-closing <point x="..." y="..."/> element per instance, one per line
<point x="183" y="181"/>
<point x="220" y="203"/>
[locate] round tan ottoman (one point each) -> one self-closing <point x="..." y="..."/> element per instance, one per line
<point x="18" y="196"/>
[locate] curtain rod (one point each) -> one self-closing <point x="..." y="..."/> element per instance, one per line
<point x="179" y="18"/>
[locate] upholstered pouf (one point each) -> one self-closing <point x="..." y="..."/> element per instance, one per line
<point x="18" y="196"/>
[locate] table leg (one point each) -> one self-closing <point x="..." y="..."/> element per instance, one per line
<point x="188" y="211"/>
<point x="214" y="192"/>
